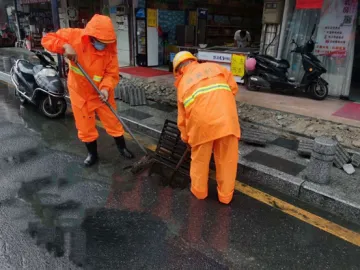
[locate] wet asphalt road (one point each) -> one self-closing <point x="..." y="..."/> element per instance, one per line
<point x="55" y="214"/>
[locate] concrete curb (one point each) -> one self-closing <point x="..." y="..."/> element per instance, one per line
<point x="295" y="187"/>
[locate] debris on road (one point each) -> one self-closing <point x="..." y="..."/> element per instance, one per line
<point x="349" y="169"/>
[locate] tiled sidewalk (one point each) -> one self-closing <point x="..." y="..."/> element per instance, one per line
<point x="298" y="104"/>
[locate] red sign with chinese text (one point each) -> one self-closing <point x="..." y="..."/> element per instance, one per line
<point x="309" y="4"/>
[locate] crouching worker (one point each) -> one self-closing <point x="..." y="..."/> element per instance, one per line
<point x="208" y="122"/>
<point x="95" y="49"/>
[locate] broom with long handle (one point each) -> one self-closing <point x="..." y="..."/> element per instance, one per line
<point x="145" y="161"/>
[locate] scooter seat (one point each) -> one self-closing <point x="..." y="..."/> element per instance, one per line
<point x="278" y="63"/>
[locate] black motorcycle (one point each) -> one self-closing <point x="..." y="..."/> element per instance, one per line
<point x="272" y="73"/>
<point x="40" y="84"/>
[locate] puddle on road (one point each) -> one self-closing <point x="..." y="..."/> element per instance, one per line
<point x="104" y="239"/>
<point x="138" y="227"/>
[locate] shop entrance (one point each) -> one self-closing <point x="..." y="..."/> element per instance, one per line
<point x="355" y="79"/>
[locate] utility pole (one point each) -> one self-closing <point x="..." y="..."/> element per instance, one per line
<point x="56" y="23"/>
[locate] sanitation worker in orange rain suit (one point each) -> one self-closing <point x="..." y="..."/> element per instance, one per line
<point x="208" y="121"/>
<point x="95" y="49"/>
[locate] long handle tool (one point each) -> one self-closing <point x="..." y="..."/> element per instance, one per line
<point x="110" y="107"/>
<point x="145" y="161"/>
<point x="178" y="165"/>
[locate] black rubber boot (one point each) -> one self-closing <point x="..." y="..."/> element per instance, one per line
<point x="92" y="157"/>
<point x="121" y="145"/>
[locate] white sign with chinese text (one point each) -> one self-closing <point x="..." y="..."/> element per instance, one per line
<point x="335" y="28"/>
<point x="214" y="56"/>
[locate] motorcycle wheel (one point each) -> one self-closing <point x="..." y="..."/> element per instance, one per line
<point x="319" y="91"/>
<point x="51" y="112"/>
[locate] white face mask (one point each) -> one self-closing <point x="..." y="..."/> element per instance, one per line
<point x="98" y="45"/>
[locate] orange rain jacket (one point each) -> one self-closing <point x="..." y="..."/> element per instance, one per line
<point x="102" y="66"/>
<point x="206" y="105"/>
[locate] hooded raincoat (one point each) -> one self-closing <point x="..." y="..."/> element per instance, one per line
<point x="102" y="67"/>
<point x="208" y="121"/>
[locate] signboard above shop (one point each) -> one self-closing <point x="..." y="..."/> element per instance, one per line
<point x="27" y="2"/>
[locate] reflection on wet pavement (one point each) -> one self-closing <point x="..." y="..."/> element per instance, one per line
<point x="105" y="218"/>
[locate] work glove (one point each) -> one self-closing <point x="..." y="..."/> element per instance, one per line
<point x="104" y="95"/>
<point x="69" y="52"/>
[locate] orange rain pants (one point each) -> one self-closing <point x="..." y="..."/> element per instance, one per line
<point x="101" y="66"/>
<point x="226" y="160"/>
<point x="86" y="123"/>
<point x="208" y="120"/>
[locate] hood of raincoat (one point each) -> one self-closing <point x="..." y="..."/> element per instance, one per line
<point x="100" y="27"/>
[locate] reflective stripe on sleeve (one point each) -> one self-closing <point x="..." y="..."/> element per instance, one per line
<point x="76" y="70"/>
<point x="97" y="78"/>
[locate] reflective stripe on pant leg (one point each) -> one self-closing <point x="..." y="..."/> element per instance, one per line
<point x="85" y="124"/>
<point x="226" y="160"/>
<point x="111" y="124"/>
<point x="199" y="169"/>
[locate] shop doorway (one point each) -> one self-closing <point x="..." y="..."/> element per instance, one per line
<point x="355" y="78"/>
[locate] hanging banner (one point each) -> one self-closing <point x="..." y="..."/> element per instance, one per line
<point x="237" y="66"/>
<point x="151" y="17"/>
<point x="335" y="28"/>
<point x="309" y="4"/>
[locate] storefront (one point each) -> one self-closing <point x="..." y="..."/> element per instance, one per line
<point x="165" y="27"/>
<point x="35" y="19"/>
<point x="337" y="41"/>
